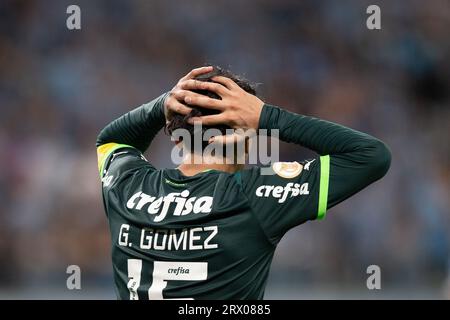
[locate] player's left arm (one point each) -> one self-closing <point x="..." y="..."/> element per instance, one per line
<point x="133" y="132"/>
<point x="129" y="136"/>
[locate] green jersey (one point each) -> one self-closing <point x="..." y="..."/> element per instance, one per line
<point x="213" y="235"/>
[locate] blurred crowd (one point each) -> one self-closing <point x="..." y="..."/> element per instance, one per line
<point x="58" y="88"/>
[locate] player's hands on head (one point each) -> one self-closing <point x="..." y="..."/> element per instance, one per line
<point x="174" y="102"/>
<point x="238" y="108"/>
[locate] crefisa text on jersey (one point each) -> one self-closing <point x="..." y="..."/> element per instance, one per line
<point x="281" y="193"/>
<point x="160" y="206"/>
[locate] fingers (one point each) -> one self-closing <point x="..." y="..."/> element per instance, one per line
<point x="181" y="94"/>
<point x="195" y="99"/>
<point x="228" y="139"/>
<point x="227" y="82"/>
<point x="177" y="107"/>
<point x="196" y="72"/>
<point x="209" y="120"/>
<point x="203" y="85"/>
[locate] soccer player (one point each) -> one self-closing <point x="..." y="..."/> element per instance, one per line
<point x="209" y="230"/>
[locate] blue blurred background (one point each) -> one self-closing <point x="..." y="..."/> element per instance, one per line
<point x="58" y="88"/>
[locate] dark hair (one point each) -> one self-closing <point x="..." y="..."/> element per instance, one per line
<point x="180" y="121"/>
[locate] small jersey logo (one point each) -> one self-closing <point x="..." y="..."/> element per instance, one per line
<point x="308" y="163"/>
<point x="287" y="170"/>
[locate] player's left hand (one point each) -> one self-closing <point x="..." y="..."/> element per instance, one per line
<point x="174" y="102"/>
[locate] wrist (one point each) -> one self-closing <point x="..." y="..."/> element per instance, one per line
<point x="256" y="115"/>
<point x="268" y="116"/>
<point x="163" y="103"/>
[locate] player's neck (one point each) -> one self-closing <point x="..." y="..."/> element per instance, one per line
<point x="193" y="169"/>
<point x="193" y="165"/>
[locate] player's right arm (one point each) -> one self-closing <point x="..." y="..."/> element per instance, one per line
<point x="348" y="160"/>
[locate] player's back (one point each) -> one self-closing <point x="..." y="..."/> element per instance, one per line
<point x="179" y="237"/>
<point x="213" y="235"/>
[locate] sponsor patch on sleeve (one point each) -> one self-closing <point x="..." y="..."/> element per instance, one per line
<point x="287" y="170"/>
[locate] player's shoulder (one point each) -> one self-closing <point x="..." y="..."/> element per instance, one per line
<point x="124" y="159"/>
<point x="125" y="166"/>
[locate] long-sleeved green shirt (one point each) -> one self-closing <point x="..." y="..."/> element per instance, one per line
<point x="213" y="235"/>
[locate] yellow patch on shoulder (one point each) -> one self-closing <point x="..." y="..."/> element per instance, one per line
<point x="103" y="152"/>
<point x="287" y="170"/>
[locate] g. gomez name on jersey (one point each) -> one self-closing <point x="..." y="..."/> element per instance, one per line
<point x="197" y="238"/>
<point x="160" y="206"/>
<point x="179" y="204"/>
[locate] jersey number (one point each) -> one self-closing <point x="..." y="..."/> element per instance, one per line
<point x="164" y="271"/>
